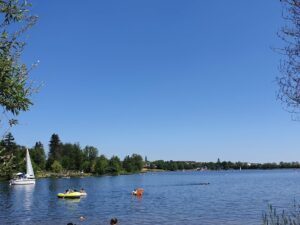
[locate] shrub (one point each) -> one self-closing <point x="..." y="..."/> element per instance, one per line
<point x="56" y="167"/>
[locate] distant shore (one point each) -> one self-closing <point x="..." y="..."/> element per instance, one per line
<point x="67" y="174"/>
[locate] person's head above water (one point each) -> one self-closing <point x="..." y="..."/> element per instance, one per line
<point x="113" y="221"/>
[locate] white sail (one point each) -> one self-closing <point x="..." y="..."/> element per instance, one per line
<point x="29" y="169"/>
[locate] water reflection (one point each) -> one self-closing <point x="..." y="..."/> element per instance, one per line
<point x="69" y="204"/>
<point x="24" y="195"/>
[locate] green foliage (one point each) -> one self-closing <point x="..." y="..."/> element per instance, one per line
<point x="11" y="156"/>
<point x="15" y="88"/>
<point x="38" y="156"/>
<point x="86" y="166"/>
<point x="291" y="217"/>
<point x="225" y="165"/>
<point x="56" y="167"/>
<point x="101" y="165"/>
<point x="171" y="165"/>
<point x="9" y="142"/>
<point x="114" y="165"/>
<point x="6" y="163"/>
<point x="90" y="153"/>
<point x="133" y="163"/>
<point x="72" y="156"/>
<point x="55" y="149"/>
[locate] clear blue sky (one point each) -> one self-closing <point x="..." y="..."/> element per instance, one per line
<point x="172" y="80"/>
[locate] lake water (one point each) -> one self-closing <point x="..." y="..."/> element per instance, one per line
<point x="232" y="197"/>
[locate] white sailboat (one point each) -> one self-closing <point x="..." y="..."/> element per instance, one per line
<point x="27" y="178"/>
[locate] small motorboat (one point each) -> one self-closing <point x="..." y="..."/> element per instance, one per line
<point x="70" y="195"/>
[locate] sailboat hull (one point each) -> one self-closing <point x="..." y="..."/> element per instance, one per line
<point x="22" y="181"/>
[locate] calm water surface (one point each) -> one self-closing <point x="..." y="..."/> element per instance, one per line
<point x="232" y="197"/>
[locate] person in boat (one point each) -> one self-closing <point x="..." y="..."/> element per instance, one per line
<point x="113" y="221"/>
<point x="134" y="192"/>
<point x="68" y="191"/>
<point x="82" y="190"/>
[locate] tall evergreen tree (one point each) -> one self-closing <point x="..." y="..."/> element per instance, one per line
<point x="9" y="142"/>
<point x="55" y="148"/>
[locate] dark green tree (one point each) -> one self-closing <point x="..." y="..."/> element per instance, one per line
<point x="12" y="153"/>
<point x="127" y="164"/>
<point x="86" y="166"/>
<point x="101" y="165"/>
<point x="71" y="156"/>
<point x="114" y="165"/>
<point x="137" y="161"/>
<point x="172" y="166"/>
<point x="55" y="149"/>
<point x="90" y="153"/>
<point x="133" y="163"/>
<point x="38" y="155"/>
<point x="9" y="142"/>
<point x="8" y="156"/>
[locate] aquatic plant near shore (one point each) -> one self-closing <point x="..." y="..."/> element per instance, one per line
<point x="291" y="217"/>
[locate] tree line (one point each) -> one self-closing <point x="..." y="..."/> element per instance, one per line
<point x="218" y="165"/>
<point x="63" y="157"/>
<point x="66" y="157"/>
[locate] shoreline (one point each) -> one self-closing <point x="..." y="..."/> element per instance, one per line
<point x="74" y="174"/>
